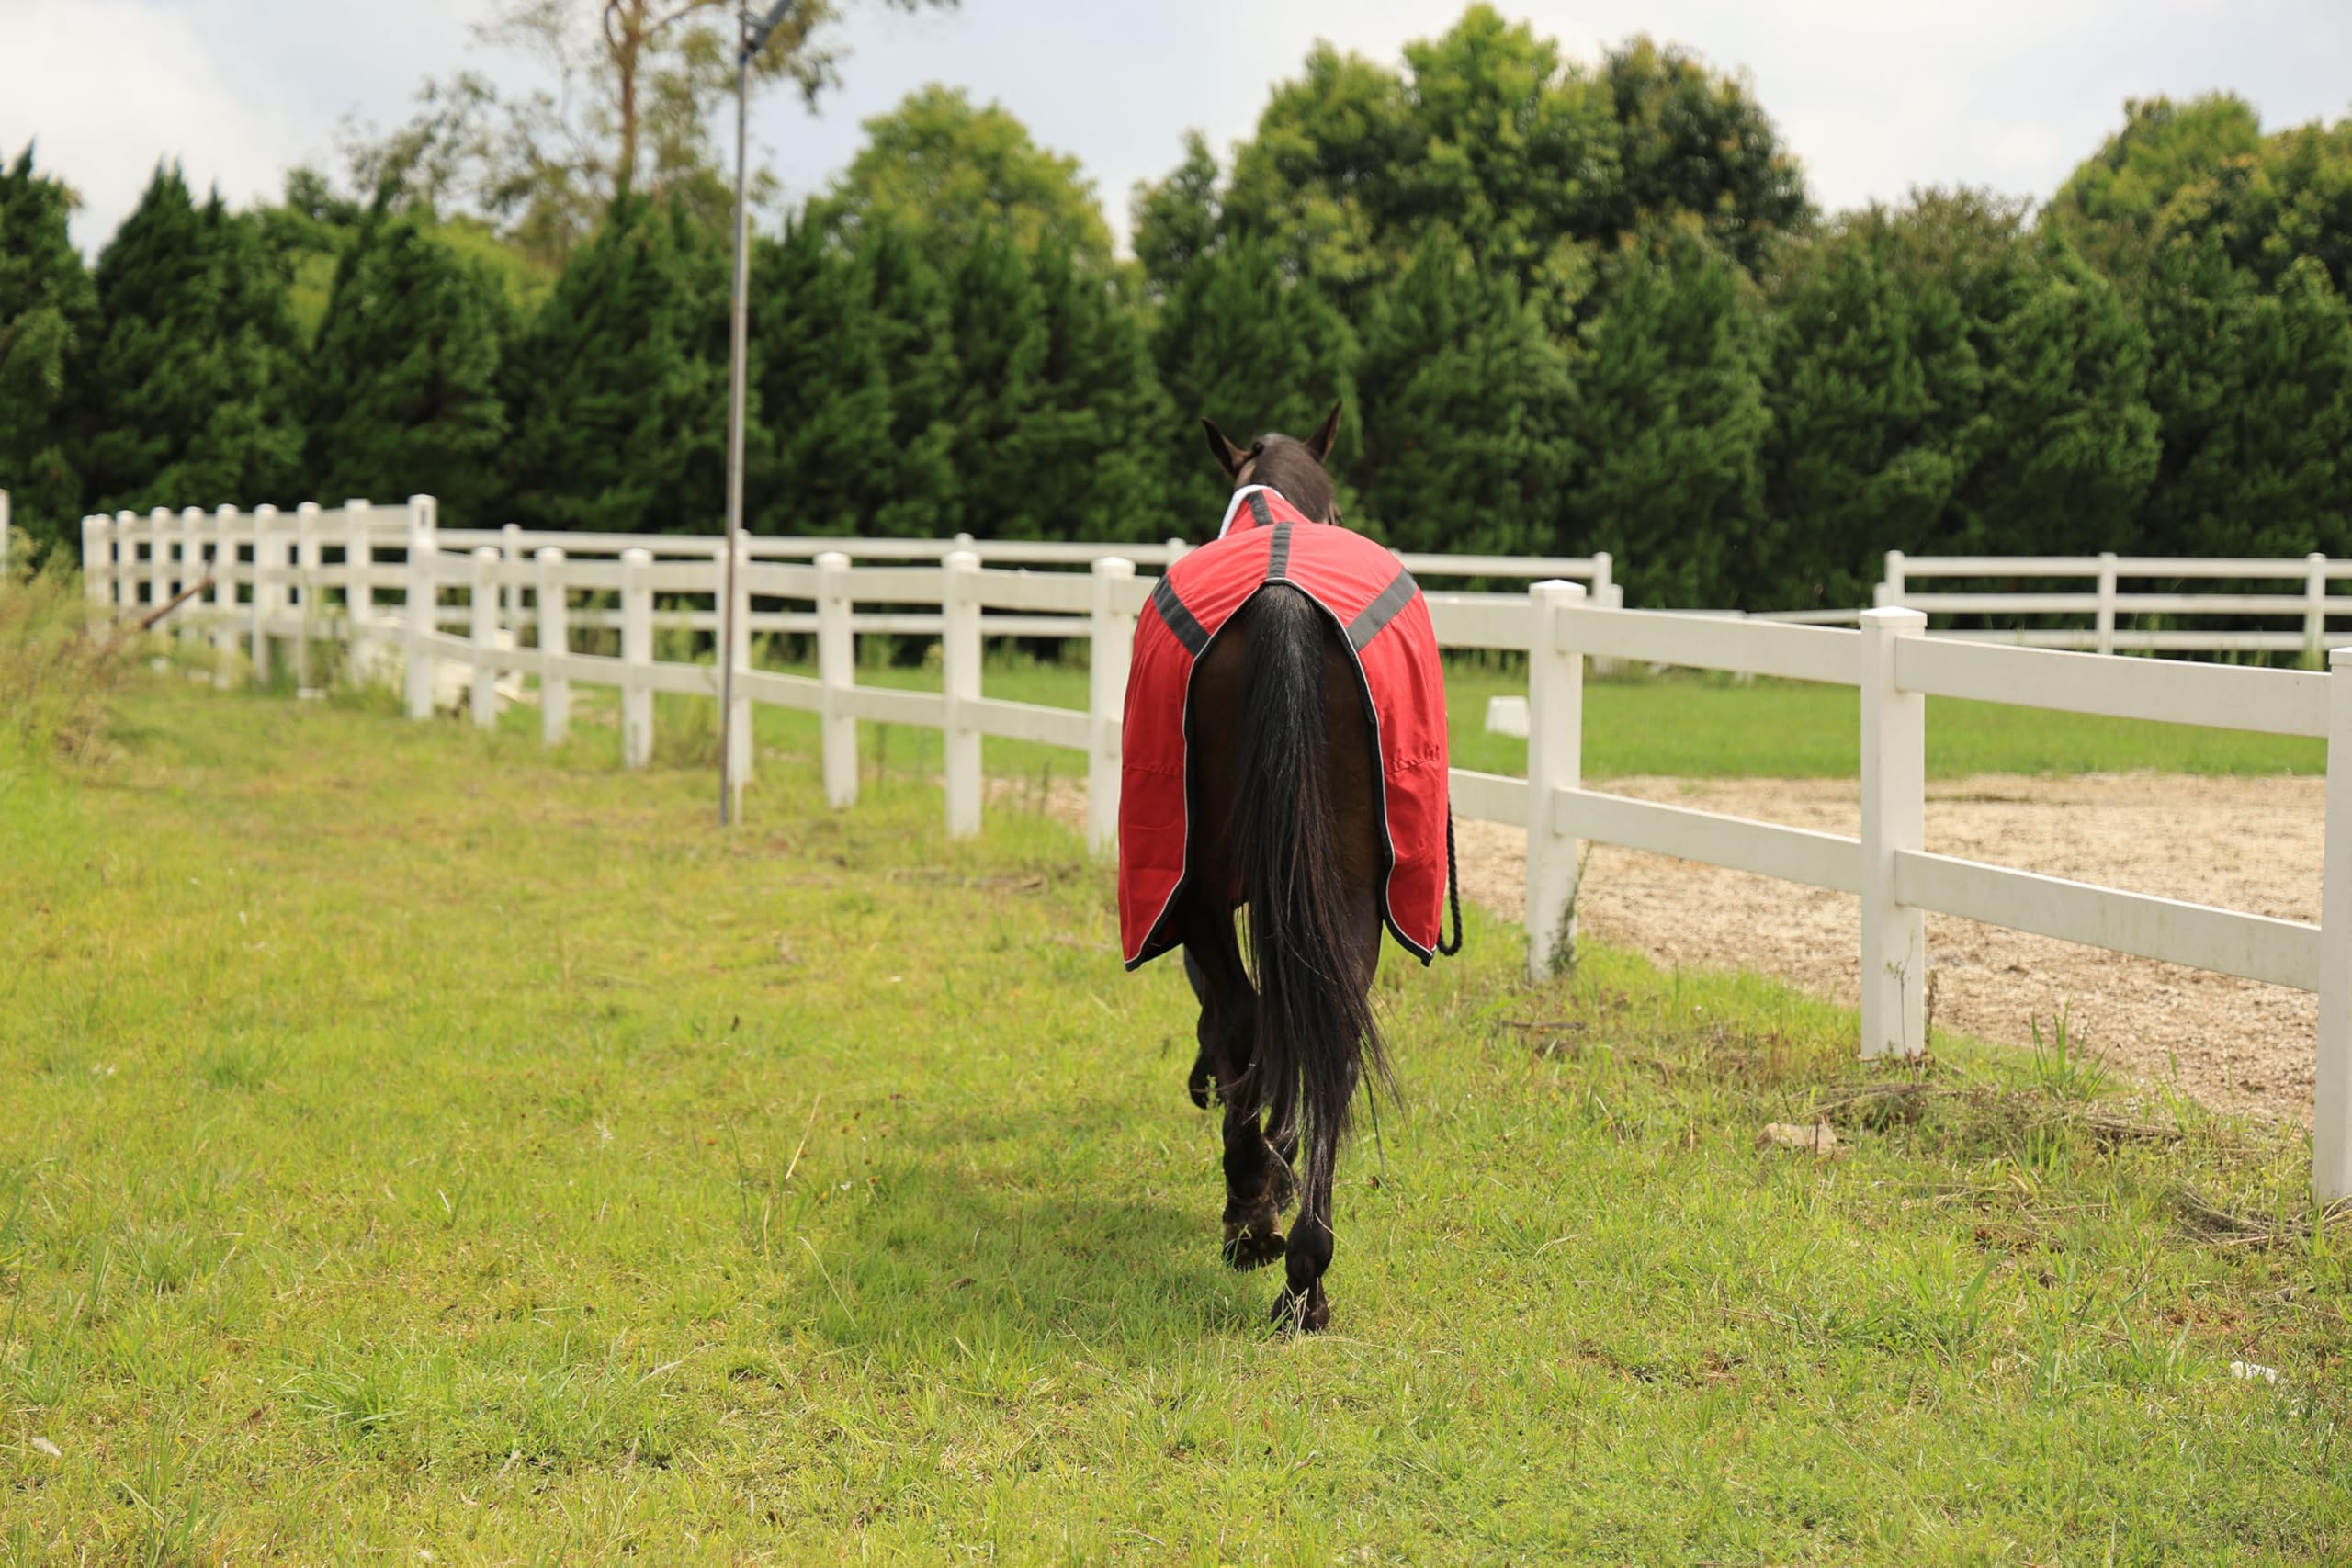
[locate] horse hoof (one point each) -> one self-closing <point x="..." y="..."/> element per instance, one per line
<point x="1296" y="1314"/>
<point x="1248" y="1249"/>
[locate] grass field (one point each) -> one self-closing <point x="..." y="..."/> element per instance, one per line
<point x="418" y="1144"/>
<point x="1688" y="726"/>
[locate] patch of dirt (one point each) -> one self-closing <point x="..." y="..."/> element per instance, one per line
<point x="2241" y="844"/>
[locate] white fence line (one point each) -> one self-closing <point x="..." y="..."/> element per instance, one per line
<point x="2309" y="601"/>
<point x="1890" y="661"/>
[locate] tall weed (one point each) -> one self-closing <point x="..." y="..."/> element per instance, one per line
<point x="58" y="670"/>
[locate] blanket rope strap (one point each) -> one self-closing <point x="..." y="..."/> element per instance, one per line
<point x="1453" y="889"/>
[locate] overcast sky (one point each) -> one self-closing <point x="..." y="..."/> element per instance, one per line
<point x="1873" y="95"/>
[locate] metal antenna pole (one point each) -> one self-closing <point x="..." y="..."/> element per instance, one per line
<point x="730" y="798"/>
<point x="750" y="38"/>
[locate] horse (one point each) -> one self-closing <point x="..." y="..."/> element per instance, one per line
<point x="1284" y="805"/>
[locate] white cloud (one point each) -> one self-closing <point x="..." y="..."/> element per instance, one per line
<point x="108" y="87"/>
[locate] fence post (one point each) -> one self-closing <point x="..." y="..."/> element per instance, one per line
<point x="2332" y="1089"/>
<point x="739" y="722"/>
<point x="2107" y="601"/>
<point x="224" y="593"/>
<point x="269" y="552"/>
<point x="1605" y="594"/>
<point x="554" y="615"/>
<point x="1176" y="548"/>
<point x="306" y="576"/>
<point x="1110" y="647"/>
<point x="959" y="649"/>
<point x="484" y="627"/>
<point x="359" y="593"/>
<point x="1554" y="761"/>
<point x="1895" y="792"/>
<point x="418" y="619"/>
<point x="97" y="557"/>
<point x="158" y="557"/>
<point x="2315" y="607"/>
<point x="126" y="570"/>
<point x="837" y="670"/>
<point x="1888" y="595"/>
<point x="637" y="652"/>
<point x="510" y="593"/>
<point x="159" y="569"/>
<point x="183" y="619"/>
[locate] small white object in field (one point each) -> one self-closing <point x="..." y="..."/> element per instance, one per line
<point x="2253" y="1372"/>
<point x="43" y="1446"/>
<point x="1820" y="1138"/>
<point x="453" y="679"/>
<point x="1507" y="716"/>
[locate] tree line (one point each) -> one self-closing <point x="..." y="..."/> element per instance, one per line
<point x="1571" y="306"/>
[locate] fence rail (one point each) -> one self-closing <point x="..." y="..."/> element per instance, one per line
<point x="2109" y="604"/>
<point x="271" y="586"/>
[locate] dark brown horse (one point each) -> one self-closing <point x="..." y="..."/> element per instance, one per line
<point x="1285" y="775"/>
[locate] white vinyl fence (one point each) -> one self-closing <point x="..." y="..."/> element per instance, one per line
<point x="2107" y="598"/>
<point x="1890" y="661"/>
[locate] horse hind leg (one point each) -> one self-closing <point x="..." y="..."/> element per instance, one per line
<point x="1258" y="1181"/>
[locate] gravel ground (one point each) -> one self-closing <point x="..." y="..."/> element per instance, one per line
<point x="2250" y="844"/>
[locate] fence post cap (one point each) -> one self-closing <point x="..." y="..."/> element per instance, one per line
<point x="1113" y="566"/>
<point x="636" y="555"/>
<point x="833" y="560"/>
<point x="264" y="510"/>
<point x="2339" y="658"/>
<point x="1894" y="619"/>
<point x="485" y="552"/>
<point x="547" y="553"/>
<point x="962" y="560"/>
<point x="1557" y="589"/>
<point x="308" y="509"/>
<point x="224" y="509"/>
<point x="190" y="513"/>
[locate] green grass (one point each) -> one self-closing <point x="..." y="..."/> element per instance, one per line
<point x="418" y="1142"/>
<point x="1685" y="726"/>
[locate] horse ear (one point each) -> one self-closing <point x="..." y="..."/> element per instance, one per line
<point x="1318" y="445"/>
<point x="1228" y="456"/>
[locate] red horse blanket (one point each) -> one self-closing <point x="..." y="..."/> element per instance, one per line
<point x="1383" y="618"/>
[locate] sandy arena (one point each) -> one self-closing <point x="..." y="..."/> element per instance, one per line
<point x="2250" y="844"/>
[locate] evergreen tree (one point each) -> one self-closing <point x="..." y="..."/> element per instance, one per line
<point x="2067" y="446"/>
<point x="916" y="486"/>
<point x="48" y="313"/>
<point x="404" y="381"/>
<point x="2252" y="394"/>
<point x="1871" y="376"/>
<point x="1672" y="418"/>
<point x="1462" y="401"/>
<point x="1091" y="442"/>
<point x="1245" y="345"/>
<point x="617" y="392"/>
<point x="1000" y="346"/>
<point x="1176" y="220"/>
<point x="190" y="386"/>
<point x="821" y="396"/>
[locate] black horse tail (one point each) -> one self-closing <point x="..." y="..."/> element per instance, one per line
<point x="1317" y="1036"/>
